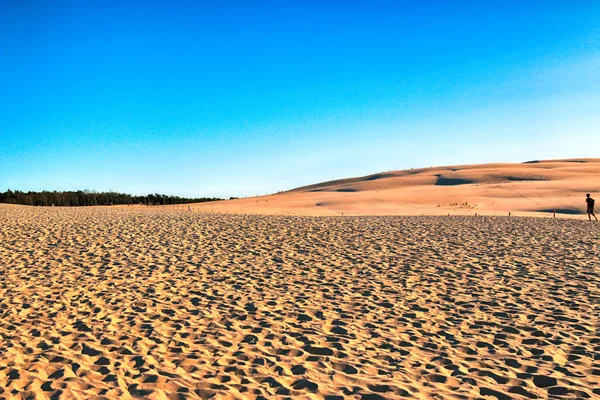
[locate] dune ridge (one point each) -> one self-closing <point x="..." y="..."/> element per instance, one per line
<point x="536" y="188"/>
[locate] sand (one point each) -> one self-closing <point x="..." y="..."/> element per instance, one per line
<point x="153" y="303"/>
<point x="526" y="189"/>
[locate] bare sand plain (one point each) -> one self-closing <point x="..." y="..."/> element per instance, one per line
<point x="527" y="189"/>
<point x="153" y="303"/>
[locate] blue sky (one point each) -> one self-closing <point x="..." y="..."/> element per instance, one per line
<point x="224" y="98"/>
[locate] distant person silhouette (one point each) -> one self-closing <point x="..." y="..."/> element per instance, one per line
<point x="590" y="207"/>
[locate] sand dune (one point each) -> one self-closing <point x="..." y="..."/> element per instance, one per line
<point x="528" y="189"/>
<point x="163" y="304"/>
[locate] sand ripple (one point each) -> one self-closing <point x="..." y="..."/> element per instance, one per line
<point x="165" y="304"/>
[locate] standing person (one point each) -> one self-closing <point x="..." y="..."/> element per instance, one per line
<point x="590" y="207"/>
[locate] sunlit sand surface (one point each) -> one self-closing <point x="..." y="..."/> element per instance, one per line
<point x="527" y="189"/>
<point x="158" y="303"/>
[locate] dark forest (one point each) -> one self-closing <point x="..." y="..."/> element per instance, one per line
<point x="91" y="198"/>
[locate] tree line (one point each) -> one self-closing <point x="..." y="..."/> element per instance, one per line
<point x="92" y="198"/>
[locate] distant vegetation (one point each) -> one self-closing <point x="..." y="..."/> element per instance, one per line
<point x="91" y="198"/>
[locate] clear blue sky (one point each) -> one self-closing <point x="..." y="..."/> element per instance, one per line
<point x="224" y="98"/>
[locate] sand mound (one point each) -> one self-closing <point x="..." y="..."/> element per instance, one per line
<point x="163" y="304"/>
<point x="533" y="188"/>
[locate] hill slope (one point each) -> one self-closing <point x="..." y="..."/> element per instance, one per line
<point x="528" y="188"/>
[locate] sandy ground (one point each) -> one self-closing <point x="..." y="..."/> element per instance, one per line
<point x="156" y="303"/>
<point x="528" y="189"/>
